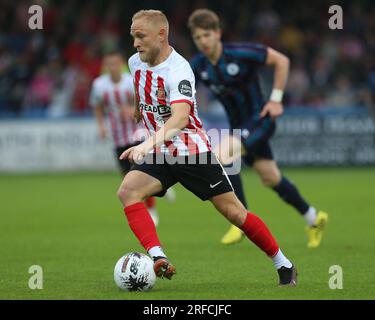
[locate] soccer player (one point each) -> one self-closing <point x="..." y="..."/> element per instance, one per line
<point x="165" y="95"/>
<point x="230" y="71"/>
<point x="113" y="92"/>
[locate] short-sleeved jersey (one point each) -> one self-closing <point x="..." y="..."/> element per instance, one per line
<point x="234" y="81"/>
<point x="157" y="88"/>
<point x="113" y="96"/>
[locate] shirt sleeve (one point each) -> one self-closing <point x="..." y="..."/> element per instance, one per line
<point x="95" y="98"/>
<point x="182" y="85"/>
<point x="256" y="53"/>
<point x="131" y="65"/>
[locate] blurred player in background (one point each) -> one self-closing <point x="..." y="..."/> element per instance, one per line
<point x="165" y="102"/>
<point x="113" y="93"/>
<point x="230" y="71"/>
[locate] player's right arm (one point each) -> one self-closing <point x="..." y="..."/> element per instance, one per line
<point x="280" y="63"/>
<point x="100" y="119"/>
<point x="177" y="121"/>
<point x="259" y="54"/>
<point x="96" y="103"/>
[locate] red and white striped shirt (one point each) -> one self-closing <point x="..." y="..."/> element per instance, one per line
<point x="114" y="96"/>
<point x="157" y="88"/>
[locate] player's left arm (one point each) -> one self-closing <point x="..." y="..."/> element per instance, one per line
<point x="280" y="63"/>
<point x="177" y="121"/>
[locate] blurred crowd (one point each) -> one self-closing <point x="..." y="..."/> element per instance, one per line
<point x="49" y="72"/>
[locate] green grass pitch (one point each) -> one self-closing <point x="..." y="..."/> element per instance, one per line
<point x="73" y="226"/>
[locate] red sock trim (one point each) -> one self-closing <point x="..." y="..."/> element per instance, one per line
<point x="257" y="231"/>
<point x="143" y="227"/>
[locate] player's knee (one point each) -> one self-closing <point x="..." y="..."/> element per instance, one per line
<point x="126" y="193"/>
<point x="121" y="193"/>
<point x="267" y="182"/>
<point x="270" y="180"/>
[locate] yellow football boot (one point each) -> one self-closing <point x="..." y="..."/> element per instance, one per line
<point x="233" y="235"/>
<point x="315" y="233"/>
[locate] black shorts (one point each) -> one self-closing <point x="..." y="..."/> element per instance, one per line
<point x="202" y="175"/>
<point x="124" y="164"/>
<point x="255" y="140"/>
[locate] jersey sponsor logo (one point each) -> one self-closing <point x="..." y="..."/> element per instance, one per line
<point x="184" y="87"/>
<point x="162" y="112"/>
<point x="160" y="109"/>
<point x="233" y="69"/>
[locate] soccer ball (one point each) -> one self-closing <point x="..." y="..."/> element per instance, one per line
<point x="135" y="272"/>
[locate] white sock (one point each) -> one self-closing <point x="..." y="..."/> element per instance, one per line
<point x="280" y="260"/>
<point x="156" y="252"/>
<point x="170" y="195"/>
<point x="310" y="216"/>
<point x="154" y="216"/>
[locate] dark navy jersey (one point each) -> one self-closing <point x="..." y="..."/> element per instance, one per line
<point x="234" y="80"/>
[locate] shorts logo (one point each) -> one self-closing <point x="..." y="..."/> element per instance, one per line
<point x="184" y="87"/>
<point x="233" y="68"/>
<point x="216" y="184"/>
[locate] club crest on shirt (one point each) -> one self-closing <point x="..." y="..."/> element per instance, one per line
<point x="161" y="94"/>
<point x="245" y="133"/>
<point x="233" y="68"/>
<point x="204" y="75"/>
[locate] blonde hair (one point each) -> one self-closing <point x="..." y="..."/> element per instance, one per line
<point x="154" y="16"/>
